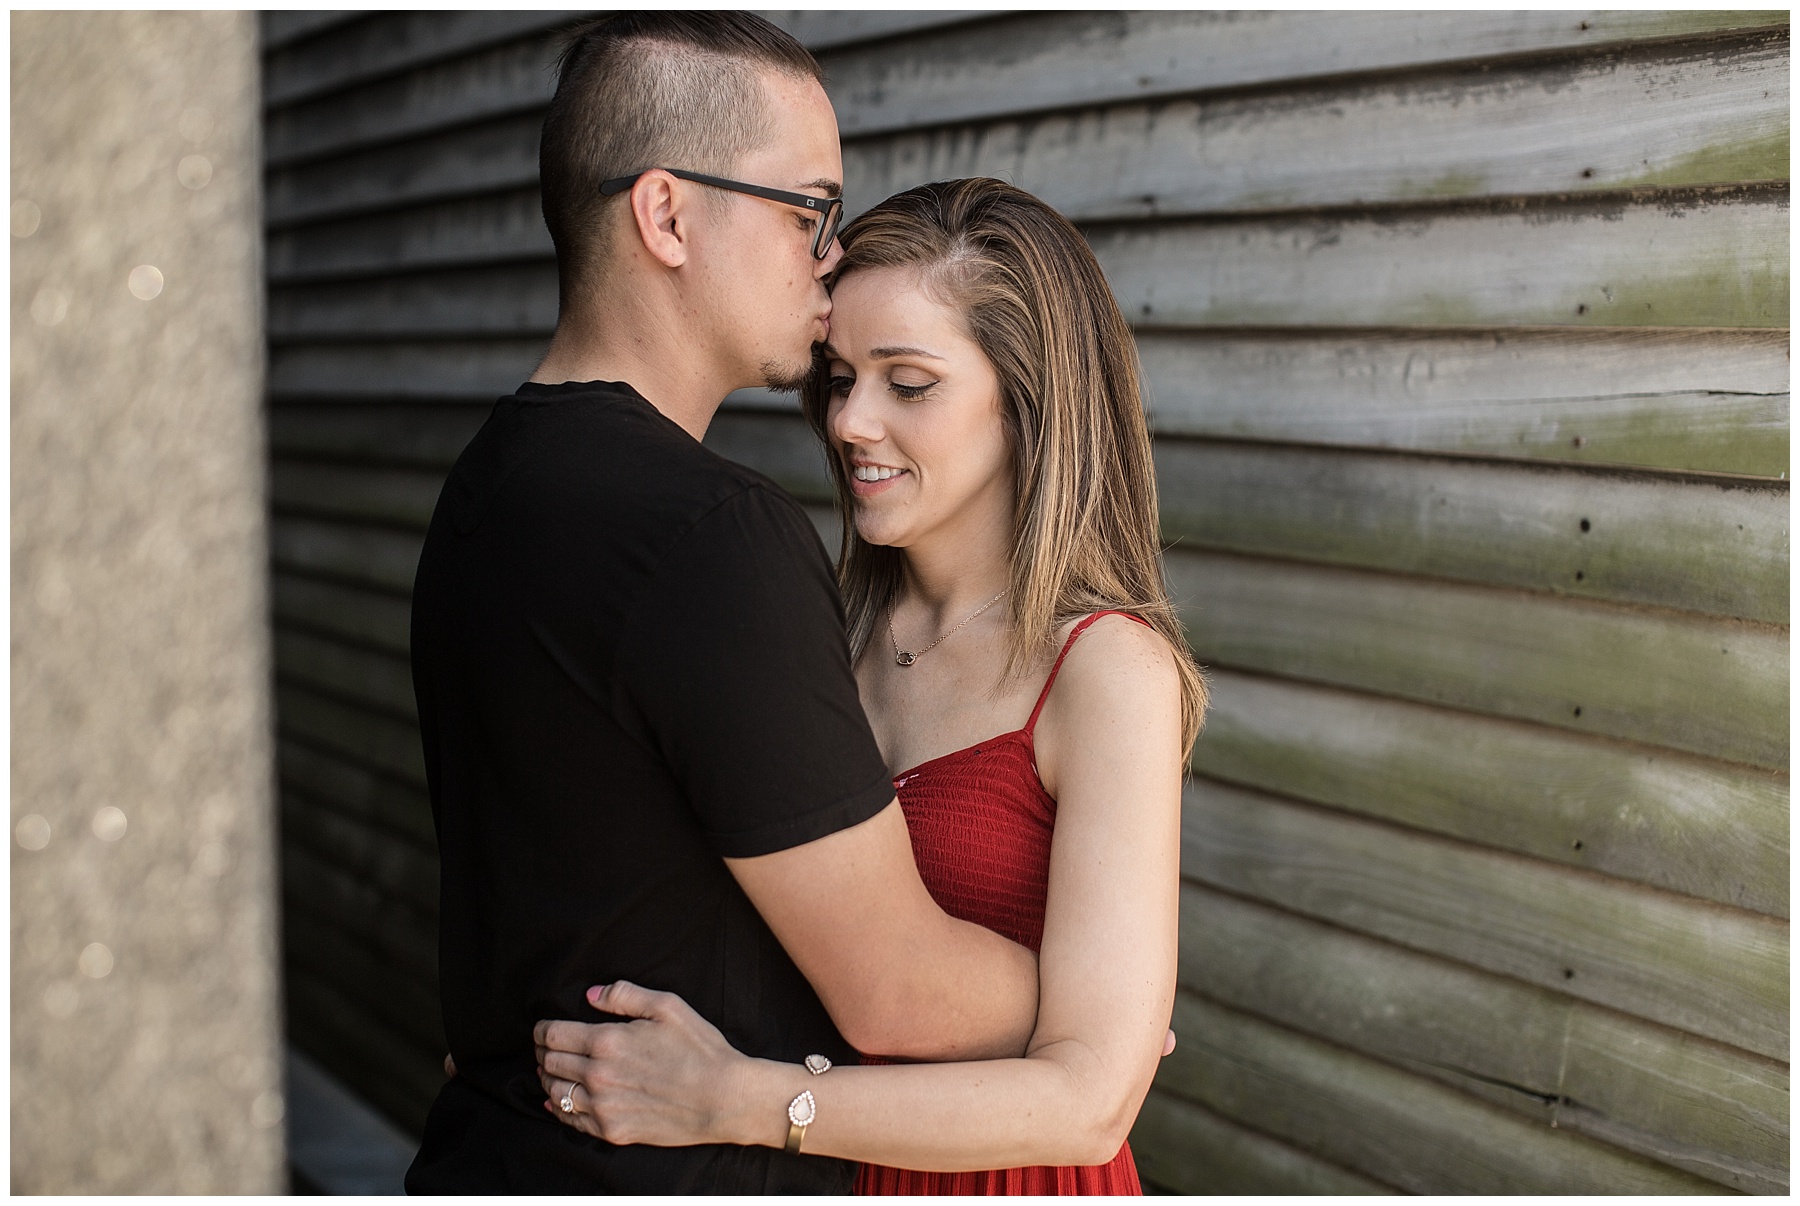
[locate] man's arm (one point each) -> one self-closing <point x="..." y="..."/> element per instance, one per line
<point x="735" y="668"/>
<point x="898" y="975"/>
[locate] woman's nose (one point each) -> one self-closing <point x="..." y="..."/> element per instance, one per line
<point x="855" y="420"/>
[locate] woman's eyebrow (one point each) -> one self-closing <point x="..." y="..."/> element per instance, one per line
<point x="895" y="353"/>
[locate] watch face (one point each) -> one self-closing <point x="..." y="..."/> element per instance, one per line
<point x="801" y="1111"/>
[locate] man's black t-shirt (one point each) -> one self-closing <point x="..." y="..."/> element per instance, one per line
<point x="630" y="661"/>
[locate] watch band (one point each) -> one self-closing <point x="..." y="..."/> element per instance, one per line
<point x="803" y="1109"/>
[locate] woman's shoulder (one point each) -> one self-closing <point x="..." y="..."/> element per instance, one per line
<point x="1116" y="645"/>
<point x="1118" y="669"/>
<point x="1114" y="714"/>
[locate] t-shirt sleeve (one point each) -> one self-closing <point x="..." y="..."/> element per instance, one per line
<point x="738" y="670"/>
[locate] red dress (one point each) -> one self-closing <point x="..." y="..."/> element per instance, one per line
<point x="980" y="823"/>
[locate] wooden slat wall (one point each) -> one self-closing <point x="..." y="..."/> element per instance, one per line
<point x="1466" y="342"/>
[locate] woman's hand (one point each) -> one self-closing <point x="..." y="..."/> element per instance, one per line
<point x="667" y="1079"/>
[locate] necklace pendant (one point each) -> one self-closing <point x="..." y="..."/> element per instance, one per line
<point x="904" y="657"/>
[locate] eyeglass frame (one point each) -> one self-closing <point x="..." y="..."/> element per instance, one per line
<point x="829" y="209"/>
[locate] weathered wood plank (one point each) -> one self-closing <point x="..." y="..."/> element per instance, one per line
<point x="411" y="436"/>
<point x="397" y="929"/>
<point x="369" y="617"/>
<point x="1183" y="1148"/>
<point x="488" y="157"/>
<point x="1692" y="965"/>
<point x="1692" y="114"/>
<point x="1700" y="262"/>
<point x="387" y="1068"/>
<point x="403" y="869"/>
<point x="281" y="27"/>
<point x="384" y="494"/>
<point x="1673" y="399"/>
<point x="414" y="437"/>
<point x="1069" y="59"/>
<point x="1704" y="261"/>
<point x="502" y="79"/>
<point x="316" y="779"/>
<point x="380" y="681"/>
<point x="1749" y="1155"/>
<point x="388" y="43"/>
<point x="1707" y="686"/>
<point x="830" y="528"/>
<point x="1711" y="545"/>
<point x="511" y="300"/>
<point x="402" y="999"/>
<point x="493" y="228"/>
<point x="821" y="29"/>
<point x="379" y="557"/>
<point x="359" y="735"/>
<point x="1691" y="825"/>
<point x="455" y="369"/>
<point x="1384" y="1123"/>
<point x="1712" y="1110"/>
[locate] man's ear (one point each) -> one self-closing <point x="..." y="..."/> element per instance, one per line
<point x="660" y="209"/>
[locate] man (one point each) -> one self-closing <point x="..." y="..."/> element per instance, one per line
<point x="646" y="754"/>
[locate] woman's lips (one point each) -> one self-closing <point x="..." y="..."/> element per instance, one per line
<point x="862" y="489"/>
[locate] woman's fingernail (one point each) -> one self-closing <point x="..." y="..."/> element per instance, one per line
<point x="596" y="992"/>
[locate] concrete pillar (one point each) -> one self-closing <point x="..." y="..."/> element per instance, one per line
<point x="145" y="1003"/>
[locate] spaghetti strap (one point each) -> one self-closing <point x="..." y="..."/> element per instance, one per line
<point x="1080" y="627"/>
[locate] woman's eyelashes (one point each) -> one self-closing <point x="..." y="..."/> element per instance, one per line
<point x="839" y="386"/>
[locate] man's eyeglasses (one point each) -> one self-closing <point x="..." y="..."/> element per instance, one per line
<point x="829" y="209"/>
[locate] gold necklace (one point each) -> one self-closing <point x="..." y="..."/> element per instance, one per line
<point x="904" y="657"/>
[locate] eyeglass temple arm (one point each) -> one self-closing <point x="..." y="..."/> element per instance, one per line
<point x="622" y="183"/>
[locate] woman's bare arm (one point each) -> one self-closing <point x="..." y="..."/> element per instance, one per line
<point x="1106" y="971"/>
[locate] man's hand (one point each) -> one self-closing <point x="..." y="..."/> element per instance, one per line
<point x="897" y="975"/>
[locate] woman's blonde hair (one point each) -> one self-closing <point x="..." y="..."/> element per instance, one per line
<point x="1085" y="533"/>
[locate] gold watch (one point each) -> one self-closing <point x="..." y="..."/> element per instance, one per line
<point x="803" y="1109"/>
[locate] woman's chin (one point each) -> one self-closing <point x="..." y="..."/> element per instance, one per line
<point x="878" y="535"/>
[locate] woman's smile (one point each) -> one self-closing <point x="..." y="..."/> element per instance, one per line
<point x="868" y="479"/>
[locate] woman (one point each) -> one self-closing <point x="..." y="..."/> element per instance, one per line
<point x="1018" y="655"/>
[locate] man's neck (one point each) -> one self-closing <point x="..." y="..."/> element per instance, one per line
<point x="626" y="345"/>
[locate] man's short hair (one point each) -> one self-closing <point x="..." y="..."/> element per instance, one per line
<point x="641" y="90"/>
